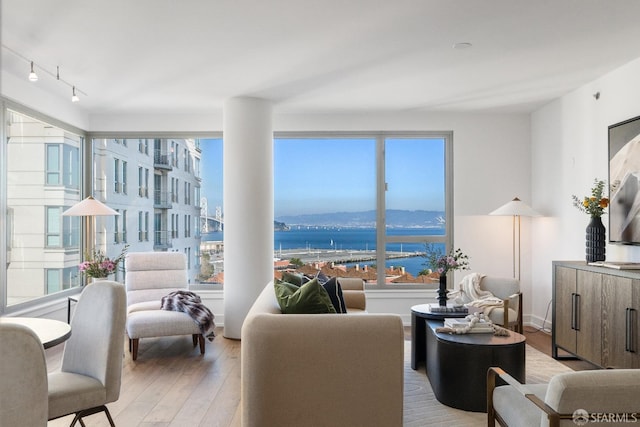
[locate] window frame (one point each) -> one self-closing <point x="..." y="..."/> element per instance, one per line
<point x="382" y="239"/>
<point x="84" y="180"/>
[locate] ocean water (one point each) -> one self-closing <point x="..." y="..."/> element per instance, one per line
<point x="313" y="238"/>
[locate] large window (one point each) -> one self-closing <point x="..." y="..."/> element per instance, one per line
<point x="41" y="174"/>
<point x="362" y="205"/>
<point x="171" y="215"/>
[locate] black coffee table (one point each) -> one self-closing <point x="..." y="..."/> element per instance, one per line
<point x="457" y="364"/>
<point x="420" y="313"/>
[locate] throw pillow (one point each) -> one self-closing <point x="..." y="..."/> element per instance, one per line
<point x="294" y="278"/>
<point x="310" y="298"/>
<point x="322" y="278"/>
<point x="335" y="293"/>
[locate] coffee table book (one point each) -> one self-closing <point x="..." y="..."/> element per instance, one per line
<point x="479" y="328"/>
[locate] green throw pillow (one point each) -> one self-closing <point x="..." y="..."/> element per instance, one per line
<point x="310" y="298"/>
<point x="294" y="278"/>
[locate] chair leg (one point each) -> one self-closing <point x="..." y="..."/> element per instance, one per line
<point x="134" y="348"/>
<point x="194" y="337"/>
<point x="201" y="340"/>
<point x="91" y="411"/>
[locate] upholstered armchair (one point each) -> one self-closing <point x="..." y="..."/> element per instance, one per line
<point x="149" y="277"/>
<point x="23" y="378"/>
<point x="582" y="396"/>
<point x="499" y="297"/>
<point x="508" y="290"/>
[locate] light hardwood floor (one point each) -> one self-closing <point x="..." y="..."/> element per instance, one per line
<point x="172" y="385"/>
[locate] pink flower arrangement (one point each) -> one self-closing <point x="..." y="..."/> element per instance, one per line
<point x="441" y="264"/>
<point x="99" y="265"/>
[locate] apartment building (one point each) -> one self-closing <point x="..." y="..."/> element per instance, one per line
<point x="153" y="184"/>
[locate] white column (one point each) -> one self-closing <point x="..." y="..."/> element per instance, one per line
<point x="248" y="207"/>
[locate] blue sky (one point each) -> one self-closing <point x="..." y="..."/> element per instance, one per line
<point x="338" y="175"/>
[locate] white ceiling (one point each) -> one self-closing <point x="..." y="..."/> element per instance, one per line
<point x="188" y="56"/>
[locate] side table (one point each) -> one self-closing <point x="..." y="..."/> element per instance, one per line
<point x="72" y="298"/>
<point x="419" y="315"/>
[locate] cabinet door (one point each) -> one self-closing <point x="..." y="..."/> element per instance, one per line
<point x="565" y="288"/>
<point x="634" y="325"/>
<point x="617" y="322"/>
<point x="589" y="316"/>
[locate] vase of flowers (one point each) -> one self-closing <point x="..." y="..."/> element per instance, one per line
<point x="442" y="264"/>
<point x="98" y="266"/>
<point x="595" y="206"/>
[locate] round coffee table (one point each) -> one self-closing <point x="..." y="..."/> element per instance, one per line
<point x="457" y="364"/>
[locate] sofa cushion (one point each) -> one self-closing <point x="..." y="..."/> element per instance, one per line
<point x="310" y="298"/>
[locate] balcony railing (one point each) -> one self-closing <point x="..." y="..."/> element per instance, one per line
<point x="162" y="160"/>
<point x="162" y="199"/>
<point x="162" y="240"/>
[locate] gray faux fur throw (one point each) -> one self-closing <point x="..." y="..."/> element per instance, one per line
<point x="190" y="303"/>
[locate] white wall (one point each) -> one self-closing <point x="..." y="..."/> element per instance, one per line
<point x="569" y="150"/>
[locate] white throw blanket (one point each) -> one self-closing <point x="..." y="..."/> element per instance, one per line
<point x="470" y="294"/>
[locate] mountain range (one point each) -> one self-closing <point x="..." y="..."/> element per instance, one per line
<point x="396" y="218"/>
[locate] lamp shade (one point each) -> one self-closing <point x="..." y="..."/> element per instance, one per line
<point x="89" y="207"/>
<point x="515" y="207"/>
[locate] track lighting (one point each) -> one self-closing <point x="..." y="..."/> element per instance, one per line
<point x="32" y="75"/>
<point x="74" y="97"/>
<point x="53" y="74"/>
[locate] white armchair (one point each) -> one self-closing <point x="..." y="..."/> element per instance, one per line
<point x="499" y="297"/>
<point x="149" y="277"/>
<point x="508" y="290"/>
<point x="570" y="399"/>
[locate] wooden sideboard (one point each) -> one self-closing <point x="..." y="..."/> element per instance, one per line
<point x="595" y="314"/>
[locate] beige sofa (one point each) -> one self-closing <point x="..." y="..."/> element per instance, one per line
<point x="321" y="369"/>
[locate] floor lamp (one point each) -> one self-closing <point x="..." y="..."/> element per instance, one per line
<point x="516" y="209"/>
<point x="90" y="208"/>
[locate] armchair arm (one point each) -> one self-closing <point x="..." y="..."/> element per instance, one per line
<point x="493" y="373"/>
<point x="516" y="298"/>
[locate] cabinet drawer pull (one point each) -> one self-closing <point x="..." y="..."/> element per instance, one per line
<point x="629" y="345"/>
<point x="573" y="310"/>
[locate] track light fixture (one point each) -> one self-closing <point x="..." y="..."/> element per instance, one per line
<point x="32" y="75"/>
<point x="74" y="97"/>
<point x="54" y="74"/>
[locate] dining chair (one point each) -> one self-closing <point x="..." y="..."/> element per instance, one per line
<point x="23" y="378"/>
<point x="91" y="370"/>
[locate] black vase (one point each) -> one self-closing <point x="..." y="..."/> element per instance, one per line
<point x="595" y="240"/>
<point x="442" y="291"/>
